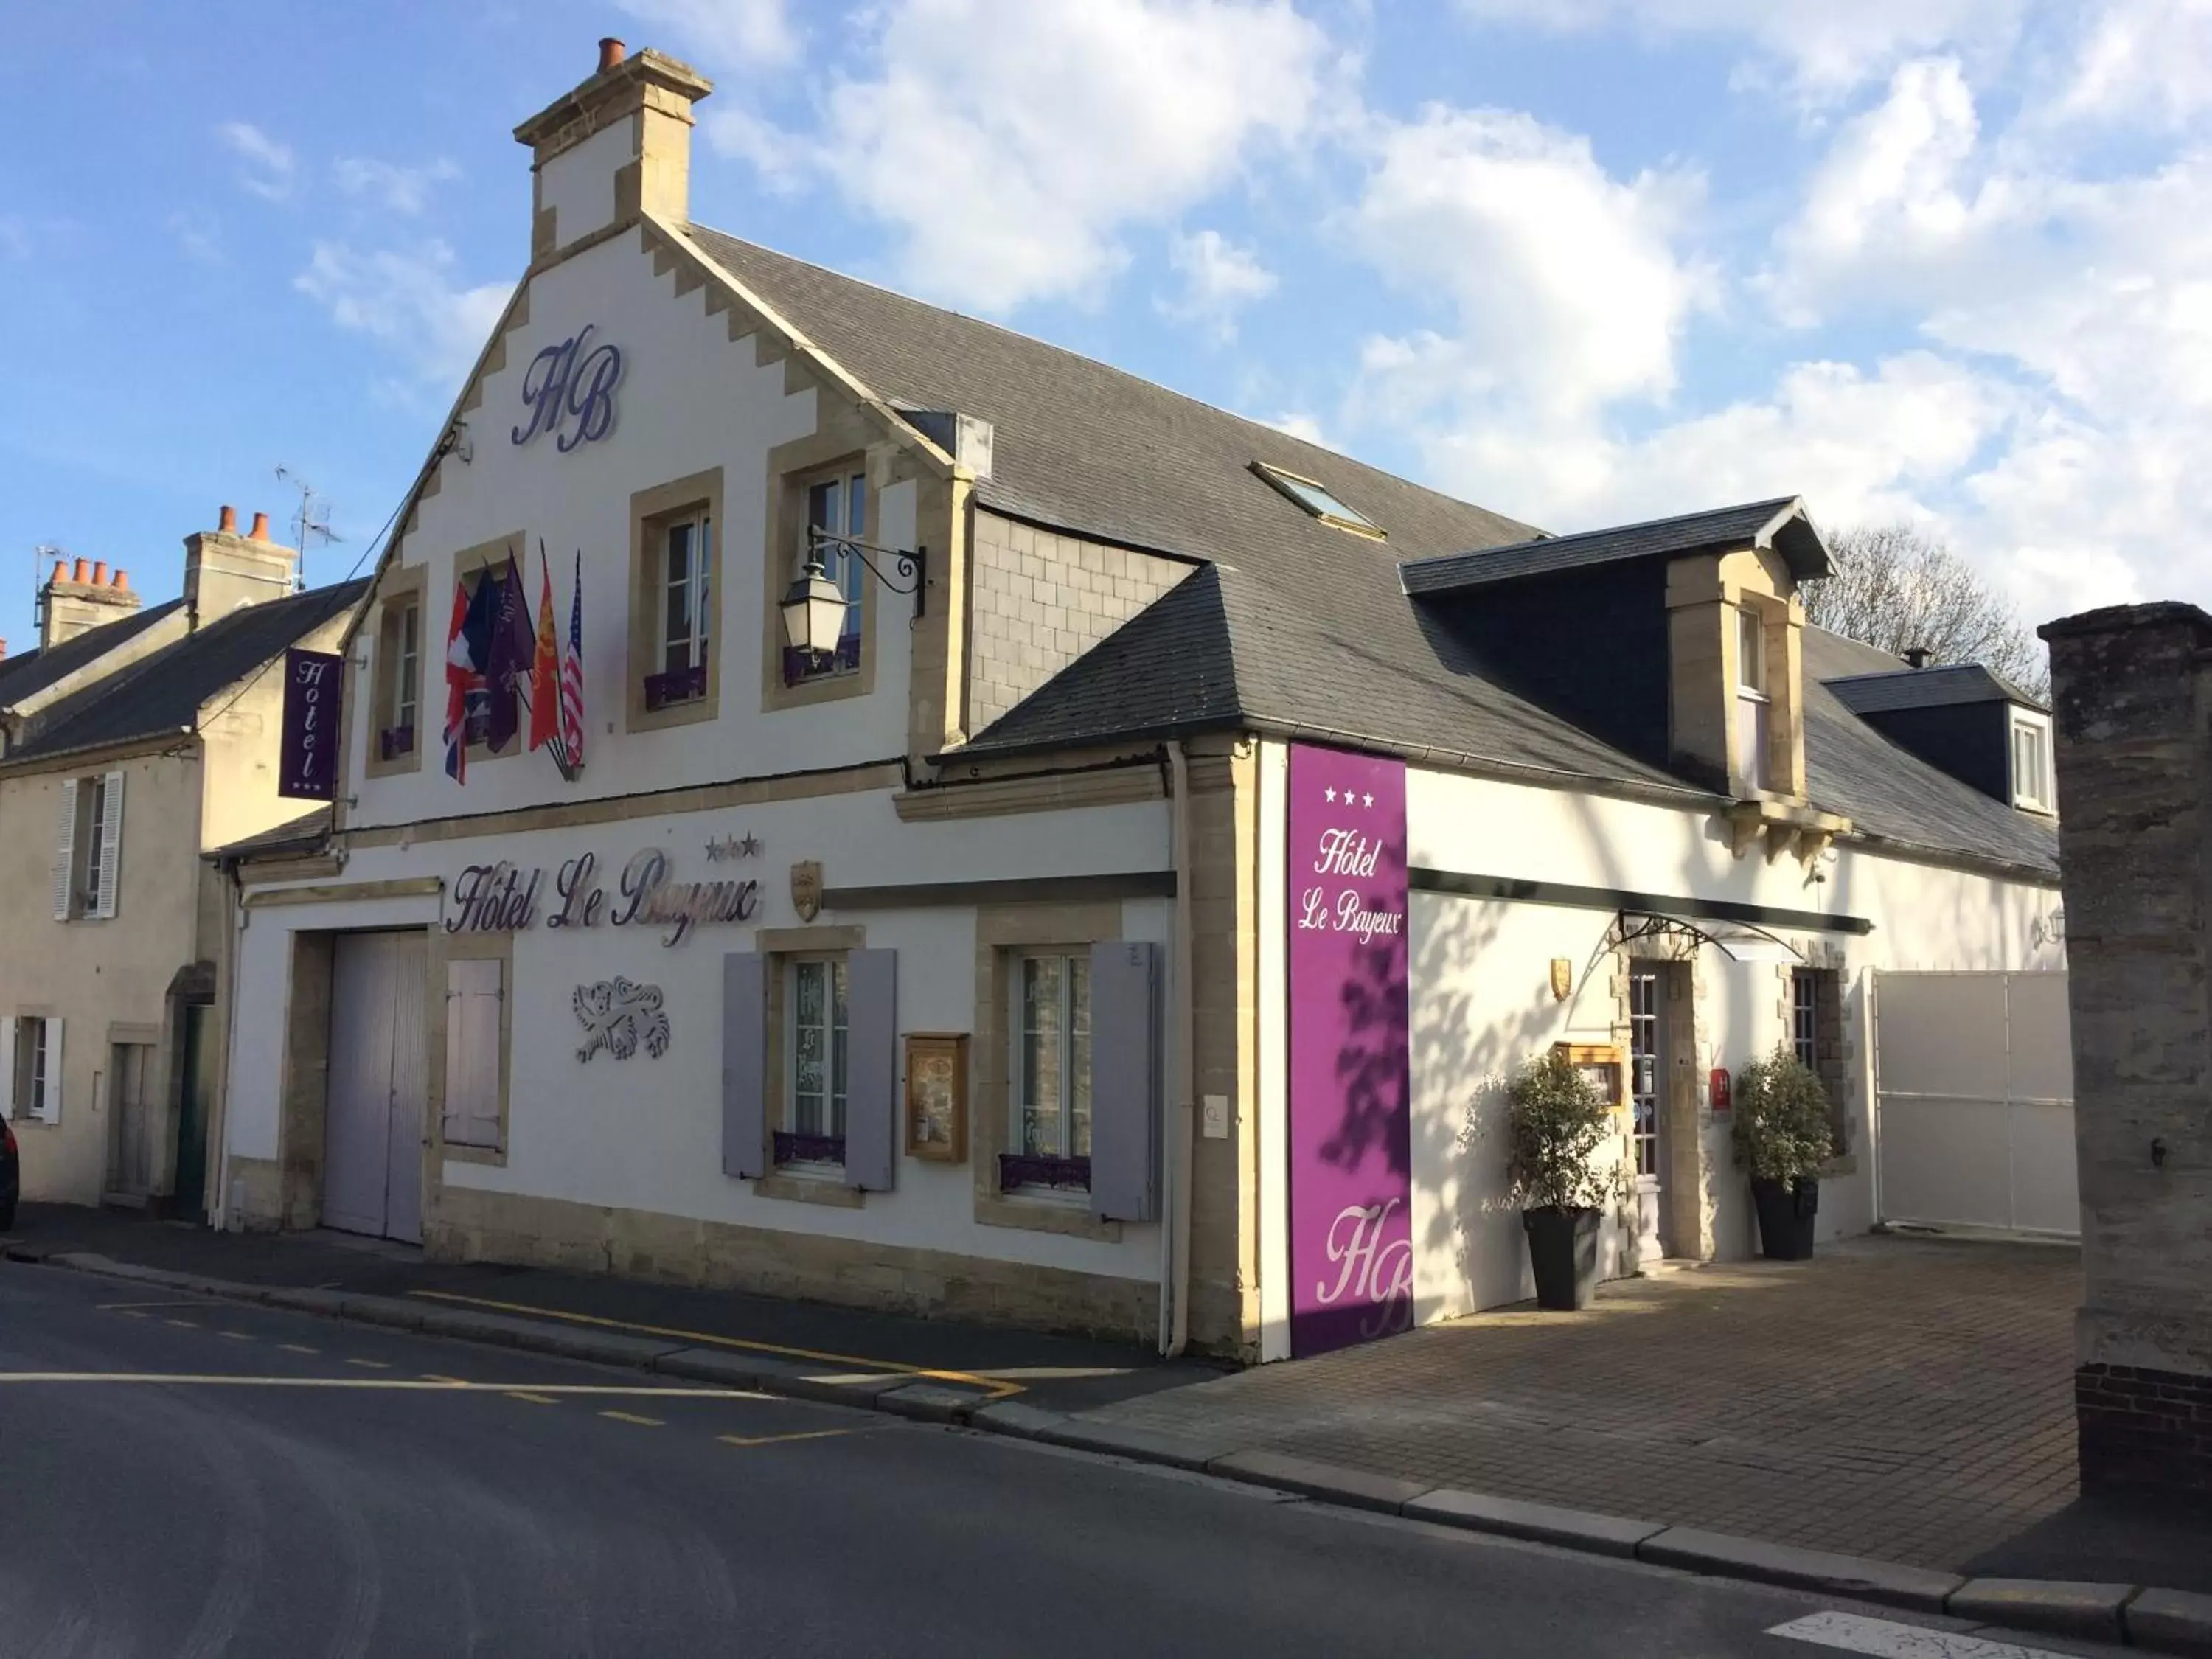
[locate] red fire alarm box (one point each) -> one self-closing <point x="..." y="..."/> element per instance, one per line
<point x="1720" y="1085"/>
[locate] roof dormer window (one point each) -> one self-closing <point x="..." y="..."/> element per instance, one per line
<point x="1319" y="499"/>
<point x="2031" y="763"/>
<point x="1752" y="701"/>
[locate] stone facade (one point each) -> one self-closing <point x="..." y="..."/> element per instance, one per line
<point x="2129" y="687"/>
<point x="1041" y="600"/>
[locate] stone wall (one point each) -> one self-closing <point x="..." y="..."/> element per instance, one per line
<point x="2131" y="687"/>
<point x="1041" y="600"/>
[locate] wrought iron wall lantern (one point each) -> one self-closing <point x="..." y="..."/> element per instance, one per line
<point x="814" y="606"/>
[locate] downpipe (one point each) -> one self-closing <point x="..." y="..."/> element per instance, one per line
<point x="1175" y="1279"/>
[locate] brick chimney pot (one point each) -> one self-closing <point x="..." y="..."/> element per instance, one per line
<point x="122" y="582"/>
<point x="227" y="520"/>
<point x="81" y="571"/>
<point x="610" y="52"/>
<point x="260" y="531"/>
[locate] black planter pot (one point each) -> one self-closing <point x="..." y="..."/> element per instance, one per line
<point x="1563" y="1251"/>
<point x="1786" y="1209"/>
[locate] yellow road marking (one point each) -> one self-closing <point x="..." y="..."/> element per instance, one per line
<point x="217" y="1379"/>
<point x="997" y="1389"/>
<point x="295" y="1347"/>
<point x="181" y="1324"/>
<point x="235" y="1336"/>
<point x="534" y="1399"/>
<point x="779" y="1439"/>
<point x="369" y="1364"/>
<point x="632" y="1417"/>
<point x="433" y="1377"/>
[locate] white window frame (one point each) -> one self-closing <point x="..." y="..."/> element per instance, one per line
<point x="697" y="586"/>
<point x="31" y="1082"/>
<point x="1017" y="1025"/>
<point x="1805" y="1019"/>
<point x="1754" y="736"/>
<point x="841" y="564"/>
<point x="407" y="680"/>
<point x="2039" y="793"/>
<point x="838" y="1008"/>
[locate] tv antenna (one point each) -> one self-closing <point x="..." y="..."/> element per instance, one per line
<point x="312" y="519"/>
<point x="40" y="554"/>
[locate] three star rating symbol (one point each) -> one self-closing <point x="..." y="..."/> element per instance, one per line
<point x="729" y="847"/>
<point x="1351" y="797"/>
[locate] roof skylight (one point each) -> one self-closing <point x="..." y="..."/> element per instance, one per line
<point x="1317" y="499"/>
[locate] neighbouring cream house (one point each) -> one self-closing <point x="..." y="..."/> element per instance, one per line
<point x="135" y="739"/>
<point x="1038" y="848"/>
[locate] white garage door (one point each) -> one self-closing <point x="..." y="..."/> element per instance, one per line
<point x="1974" y="1075"/>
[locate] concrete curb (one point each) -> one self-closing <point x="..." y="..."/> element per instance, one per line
<point x="2167" y="1621"/>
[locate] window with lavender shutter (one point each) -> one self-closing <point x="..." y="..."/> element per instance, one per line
<point x="1125" y="1080"/>
<point x="745" y="1065"/>
<point x="871" y="1069"/>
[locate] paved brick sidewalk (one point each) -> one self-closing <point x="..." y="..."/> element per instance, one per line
<point x="1908" y="1400"/>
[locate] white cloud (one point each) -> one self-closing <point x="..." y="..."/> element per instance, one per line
<point x="402" y="189"/>
<point x="1219" y="279"/>
<point x="1827" y="46"/>
<point x="1007" y="144"/>
<point x="736" y="32"/>
<point x="194" y="240"/>
<point x="271" y="170"/>
<point x="2142" y="60"/>
<point x="1565" y="286"/>
<point x="409" y="300"/>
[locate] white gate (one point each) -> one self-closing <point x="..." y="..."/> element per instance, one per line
<point x="374" y="1126"/>
<point x="1974" y="1074"/>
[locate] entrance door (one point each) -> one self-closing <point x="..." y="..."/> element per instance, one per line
<point x="192" y="1101"/>
<point x="373" y="1127"/>
<point x="1647" y="1081"/>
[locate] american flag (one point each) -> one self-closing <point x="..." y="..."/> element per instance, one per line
<point x="571" y="678"/>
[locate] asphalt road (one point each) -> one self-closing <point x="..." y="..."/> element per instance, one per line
<point x="199" y="1478"/>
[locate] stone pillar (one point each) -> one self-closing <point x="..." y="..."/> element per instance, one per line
<point x="2132" y="695"/>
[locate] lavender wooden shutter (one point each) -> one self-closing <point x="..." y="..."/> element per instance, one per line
<point x="1125" y="1080"/>
<point x="871" y="1069"/>
<point x="745" y="1065"/>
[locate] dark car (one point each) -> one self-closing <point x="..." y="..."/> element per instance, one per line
<point x="11" y="1175"/>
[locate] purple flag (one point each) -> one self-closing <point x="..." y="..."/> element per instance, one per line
<point x="1350" y="1110"/>
<point x="513" y="647"/>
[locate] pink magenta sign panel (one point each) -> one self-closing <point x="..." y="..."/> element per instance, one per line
<point x="1350" y="1131"/>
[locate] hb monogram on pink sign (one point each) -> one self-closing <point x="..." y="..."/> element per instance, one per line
<point x="1351" y="1141"/>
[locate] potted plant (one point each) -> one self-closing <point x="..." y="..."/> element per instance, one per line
<point x="1556" y="1119"/>
<point x="1783" y="1137"/>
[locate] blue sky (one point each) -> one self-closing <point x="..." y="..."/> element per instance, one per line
<point x="1579" y="260"/>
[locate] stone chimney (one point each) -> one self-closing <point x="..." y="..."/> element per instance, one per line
<point x="82" y="595"/>
<point x="618" y="144"/>
<point x="224" y="570"/>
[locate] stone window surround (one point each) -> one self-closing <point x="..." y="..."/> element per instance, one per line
<point x="401" y="586"/>
<point x="782" y="946"/>
<point x="1004" y="932"/>
<point x="1825" y="955"/>
<point x="841" y="448"/>
<point x="444" y="948"/>
<point x="651" y="512"/>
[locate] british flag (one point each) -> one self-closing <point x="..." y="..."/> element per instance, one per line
<point x="571" y="678"/>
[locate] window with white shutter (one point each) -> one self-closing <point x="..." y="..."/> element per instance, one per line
<point x="474" y="1050"/>
<point x="9" y="1094"/>
<point x="36" y="1070"/>
<point x="65" y="854"/>
<point x="104" y="875"/>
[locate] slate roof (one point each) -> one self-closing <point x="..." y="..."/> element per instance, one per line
<point x="1781" y="523"/>
<point x="1927" y="688"/>
<point x="1893" y="795"/>
<point x="32" y="673"/>
<point x="1289" y="625"/>
<point x="302" y="834"/>
<point x="163" y="691"/>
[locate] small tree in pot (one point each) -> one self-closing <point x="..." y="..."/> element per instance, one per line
<point x="1556" y="1120"/>
<point x="1783" y="1138"/>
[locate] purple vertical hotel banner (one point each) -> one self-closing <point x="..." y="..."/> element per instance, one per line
<point x="307" y="750"/>
<point x="1350" y="1122"/>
